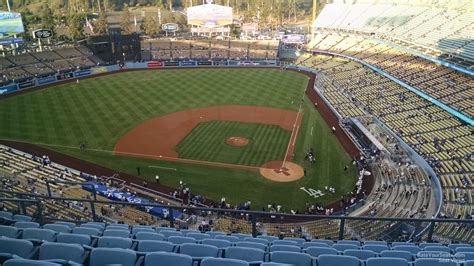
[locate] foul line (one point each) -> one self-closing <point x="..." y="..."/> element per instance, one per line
<point x="162" y="167"/>
<point x="311" y="133"/>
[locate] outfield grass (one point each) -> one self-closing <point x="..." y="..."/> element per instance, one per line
<point x="207" y="142"/>
<point x="99" y="111"/>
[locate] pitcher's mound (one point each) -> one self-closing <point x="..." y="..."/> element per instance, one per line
<point x="237" y="141"/>
<point x="276" y="172"/>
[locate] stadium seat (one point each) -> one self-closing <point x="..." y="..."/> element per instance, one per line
<point x="163" y="229"/>
<point x="168" y="259"/>
<point x="464" y="255"/>
<point x="454" y="246"/>
<point x="73" y="238"/>
<point x="386" y="262"/>
<point x="26" y="262"/>
<point x="424" y="245"/>
<point x="374" y="248"/>
<point x="397" y="254"/>
<point x="154" y="246"/>
<point x="136" y="230"/>
<point x="285" y="248"/>
<point x="375" y="242"/>
<point x="314" y="244"/>
<point x="251" y="255"/>
<point x="360" y="254"/>
<point x="23" y="225"/>
<point x="438" y="248"/>
<point x="252" y="245"/>
<point x="61" y="252"/>
<point x="68" y="224"/>
<point x="298" y="240"/>
<point x="123" y="226"/>
<point x="6" y="215"/>
<point x="285" y="242"/>
<point x="352" y="242"/>
<point x="213" y="234"/>
<point x="18" y="247"/>
<point x="434" y="254"/>
<point x="198" y="236"/>
<point x="149" y="236"/>
<point x="412" y="249"/>
<point x="38" y="234"/>
<point x="468" y="263"/>
<point x="394" y="244"/>
<point x="270" y="239"/>
<point x="178" y="240"/>
<point x="219" y="243"/>
<point x="86" y="231"/>
<point x="241" y="236"/>
<point x="102" y="225"/>
<point x="96" y="226"/>
<point x="9" y="231"/>
<point x="107" y="256"/>
<point x="168" y="233"/>
<point x="464" y="249"/>
<point x="22" y="218"/>
<point x="198" y="251"/>
<point x="188" y="231"/>
<point x="59" y="228"/>
<point x="256" y="240"/>
<point x="116" y="232"/>
<point x="316" y="251"/>
<point x="338" y="260"/>
<point x="273" y="264"/>
<point x="297" y="259"/>
<point x="223" y="262"/>
<point x="114" y="242"/>
<point x="232" y="239"/>
<point x="342" y="247"/>
<point x="434" y="262"/>
<point x="326" y="241"/>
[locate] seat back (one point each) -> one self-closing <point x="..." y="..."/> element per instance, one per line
<point x="297" y="259"/>
<point x="23" y="225"/>
<point x="63" y="251"/>
<point x="86" y="231"/>
<point x="314" y="244"/>
<point x="199" y="250"/>
<point x="25" y="262"/>
<point x="316" y="251"/>
<point x="59" y="228"/>
<point x="136" y="230"/>
<point x="106" y="256"/>
<point x="424" y="245"/>
<point x="397" y="254"/>
<point x="434" y="262"/>
<point x="268" y="238"/>
<point x="213" y="234"/>
<point x="241" y="236"/>
<point x="178" y="240"/>
<point x="39" y="234"/>
<point x="198" y="236"/>
<point x="168" y="259"/>
<point x="22" y="218"/>
<point x="285" y="242"/>
<point x="374" y="247"/>
<point x="219" y="243"/>
<point x="252" y="245"/>
<point x="464" y="255"/>
<point x="298" y="240"/>
<point x="465" y="249"/>
<point x="8" y="231"/>
<point x="6" y="215"/>
<point x="73" y="238"/>
<point x="232" y="239"/>
<point x="68" y="224"/>
<point x="352" y="242"/>
<point x="257" y="240"/>
<point x="338" y="260"/>
<point x="342" y="247"/>
<point x="412" y="249"/>
<point x="223" y="262"/>
<point x="168" y="233"/>
<point x="96" y="226"/>
<point x="114" y="242"/>
<point x="155" y="246"/>
<point x="438" y="248"/>
<point x="386" y="262"/>
<point x="149" y="236"/>
<point x="360" y="254"/>
<point x="246" y="254"/>
<point x="19" y="247"/>
<point x="116" y="232"/>
<point x="285" y="248"/>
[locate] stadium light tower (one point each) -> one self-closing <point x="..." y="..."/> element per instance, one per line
<point x="8" y="6"/>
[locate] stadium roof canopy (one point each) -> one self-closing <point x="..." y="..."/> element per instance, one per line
<point x="209" y="15"/>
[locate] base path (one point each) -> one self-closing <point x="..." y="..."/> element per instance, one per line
<point x="157" y="138"/>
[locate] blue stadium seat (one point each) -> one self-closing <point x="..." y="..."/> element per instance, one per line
<point x="314" y="244"/>
<point x="178" y="240"/>
<point x="107" y="256"/>
<point x="285" y="248"/>
<point x="394" y="244"/>
<point x="154" y="246"/>
<point x="412" y="249"/>
<point x="464" y="255"/>
<point x="231" y="239"/>
<point x="86" y="231"/>
<point x="298" y="240"/>
<point x="213" y="234"/>
<point x="187" y="231"/>
<point x="454" y="246"/>
<point x="167" y="229"/>
<point x="219" y="243"/>
<point x="59" y="228"/>
<point x="9" y="231"/>
<point x="18" y="247"/>
<point x="434" y="262"/>
<point x="38" y="234"/>
<point x="251" y="255"/>
<point x="397" y="254"/>
<point x="96" y="226"/>
<point x="273" y="264"/>
<point x="25" y="262"/>
<point x="241" y="236"/>
<point x="223" y="262"/>
<point x="468" y="263"/>
<point x="169" y="233"/>
<point x="297" y="259"/>
<point x="342" y="247"/>
<point x="386" y="262"/>
<point x="114" y="242"/>
<point x="73" y="238"/>
<point x="285" y="242"/>
<point x="116" y="232"/>
<point x="316" y="251"/>
<point x="123" y="226"/>
<point x="136" y="230"/>
<point x="252" y="245"/>
<point x="6" y="215"/>
<point x="22" y="218"/>
<point x="434" y="254"/>
<point x="424" y="245"/>
<point x="326" y="241"/>
<point x="23" y="225"/>
<point x="438" y="248"/>
<point x="257" y="240"/>
<point x="62" y="252"/>
<point x="352" y="242"/>
<point x="375" y="242"/>
<point x="149" y="236"/>
<point x="338" y="260"/>
<point x="464" y="249"/>
<point x="168" y="259"/>
<point x="360" y="254"/>
<point x="375" y="248"/>
<point x="270" y="239"/>
<point x="198" y="251"/>
<point x="198" y="236"/>
<point x="102" y="225"/>
<point x="68" y="224"/>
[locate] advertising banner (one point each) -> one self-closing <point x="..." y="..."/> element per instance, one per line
<point x="26" y="84"/>
<point x="67" y="75"/>
<point x="45" y="80"/>
<point x="153" y="64"/>
<point x="83" y="72"/>
<point x="171" y="63"/>
<point x="187" y="63"/>
<point x="8" y="89"/>
<point x="205" y="63"/>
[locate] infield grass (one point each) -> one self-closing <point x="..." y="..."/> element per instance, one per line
<point x="99" y="111"/>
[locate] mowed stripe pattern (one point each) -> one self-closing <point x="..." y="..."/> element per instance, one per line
<point x="207" y="142"/>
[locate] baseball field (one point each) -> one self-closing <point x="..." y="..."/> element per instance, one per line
<point x="213" y="129"/>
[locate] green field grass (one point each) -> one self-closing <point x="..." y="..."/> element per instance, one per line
<point x="207" y="142"/>
<point x="101" y="110"/>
